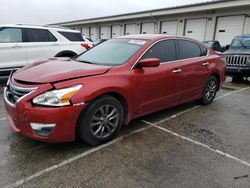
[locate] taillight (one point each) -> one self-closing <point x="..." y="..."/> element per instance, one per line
<point x="85" y="45"/>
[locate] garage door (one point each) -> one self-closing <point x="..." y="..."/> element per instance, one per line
<point x="196" y="29"/>
<point x="169" y="27"/>
<point x="85" y="31"/>
<point x="131" y="29"/>
<point x="105" y="32"/>
<point x="94" y="33"/>
<point x="116" y="31"/>
<point x="228" y="28"/>
<point x="148" y="28"/>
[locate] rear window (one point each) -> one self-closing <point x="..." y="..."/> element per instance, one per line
<point x="39" y="35"/>
<point x="72" y="36"/>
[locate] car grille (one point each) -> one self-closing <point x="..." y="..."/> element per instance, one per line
<point x="14" y="93"/>
<point x="237" y="60"/>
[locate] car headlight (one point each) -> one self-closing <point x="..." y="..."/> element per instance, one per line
<point x="60" y="97"/>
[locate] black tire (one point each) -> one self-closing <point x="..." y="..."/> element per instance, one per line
<point x="96" y="118"/>
<point x="237" y="79"/>
<point x="210" y="90"/>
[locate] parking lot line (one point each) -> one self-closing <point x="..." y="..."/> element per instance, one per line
<point x="84" y="154"/>
<point x="72" y="159"/>
<point x="198" y="143"/>
<point x="193" y="108"/>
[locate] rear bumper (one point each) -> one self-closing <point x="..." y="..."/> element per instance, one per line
<point x="240" y="71"/>
<point x="24" y="113"/>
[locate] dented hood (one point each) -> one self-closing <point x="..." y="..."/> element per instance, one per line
<point x="54" y="70"/>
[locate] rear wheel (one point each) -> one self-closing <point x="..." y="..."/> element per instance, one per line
<point x="210" y="90"/>
<point x="101" y="121"/>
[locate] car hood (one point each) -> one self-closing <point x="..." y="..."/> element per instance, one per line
<point x="54" y="70"/>
<point x="237" y="51"/>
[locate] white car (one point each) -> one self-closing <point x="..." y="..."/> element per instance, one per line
<point x="23" y="44"/>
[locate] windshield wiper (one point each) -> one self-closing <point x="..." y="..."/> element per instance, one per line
<point x="88" y="62"/>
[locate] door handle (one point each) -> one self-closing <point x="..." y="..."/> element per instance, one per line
<point x="177" y="71"/>
<point x="17" y="46"/>
<point x="205" y="64"/>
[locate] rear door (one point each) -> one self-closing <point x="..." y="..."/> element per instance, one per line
<point x="40" y="44"/>
<point x="158" y="87"/>
<point x="12" y="48"/>
<point x="193" y="62"/>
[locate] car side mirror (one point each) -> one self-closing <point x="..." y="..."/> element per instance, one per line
<point x="149" y="62"/>
<point x="227" y="47"/>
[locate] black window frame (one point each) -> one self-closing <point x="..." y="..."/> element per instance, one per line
<point x="23" y="35"/>
<point x="198" y="44"/>
<point x="26" y="38"/>
<point x="66" y="34"/>
<point x="164" y="40"/>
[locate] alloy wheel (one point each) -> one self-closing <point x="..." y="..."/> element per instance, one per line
<point x="104" y="121"/>
<point x="210" y="90"/>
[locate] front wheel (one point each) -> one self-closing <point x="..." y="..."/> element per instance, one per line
<point x="101" y="121"/>
<point x="210" y="90"/>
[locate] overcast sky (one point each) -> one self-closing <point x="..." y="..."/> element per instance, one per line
<point x="53" y="11"/>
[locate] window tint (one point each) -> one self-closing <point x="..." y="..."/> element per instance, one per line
<point x="164" y="50"/>
<point x="10" y="35"/>
<point x="72" y="36"/>
<point x="39" y="35"/>
<point x="188" y="49"/>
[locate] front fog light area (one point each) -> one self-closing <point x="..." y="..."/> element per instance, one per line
<point x="42" y="129"/>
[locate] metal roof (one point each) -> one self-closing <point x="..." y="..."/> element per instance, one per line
<point x="194" y="7"/>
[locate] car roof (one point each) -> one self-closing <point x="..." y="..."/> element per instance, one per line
<point x="243" y="36"/>
<point x="56" y="28"/>
<point x="152" y="36"/>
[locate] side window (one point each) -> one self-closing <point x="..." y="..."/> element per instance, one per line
<point x="72" y="36"/>
<point x="52" y="38"/>
<point x="39" y="35"/>
<point x="10" y="35"/>
<point x="188" y="49"/>
<point x="203" y="51"/>
<point x="164" y="50"/>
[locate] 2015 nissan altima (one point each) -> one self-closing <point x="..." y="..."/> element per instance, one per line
<point x="106" y="87"/>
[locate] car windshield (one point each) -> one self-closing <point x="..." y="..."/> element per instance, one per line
<point x="113" y="52"/>
<point x="241" y="43"/>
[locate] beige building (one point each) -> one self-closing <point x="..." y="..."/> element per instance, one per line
<point x="217" y="20"/>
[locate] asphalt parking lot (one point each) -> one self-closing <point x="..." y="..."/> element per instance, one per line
<point x="186" y="146"/>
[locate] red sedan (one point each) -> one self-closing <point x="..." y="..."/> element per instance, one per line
<point x="93" y="95"/>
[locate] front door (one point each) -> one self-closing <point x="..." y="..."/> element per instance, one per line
<point x="157" y="88"/>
